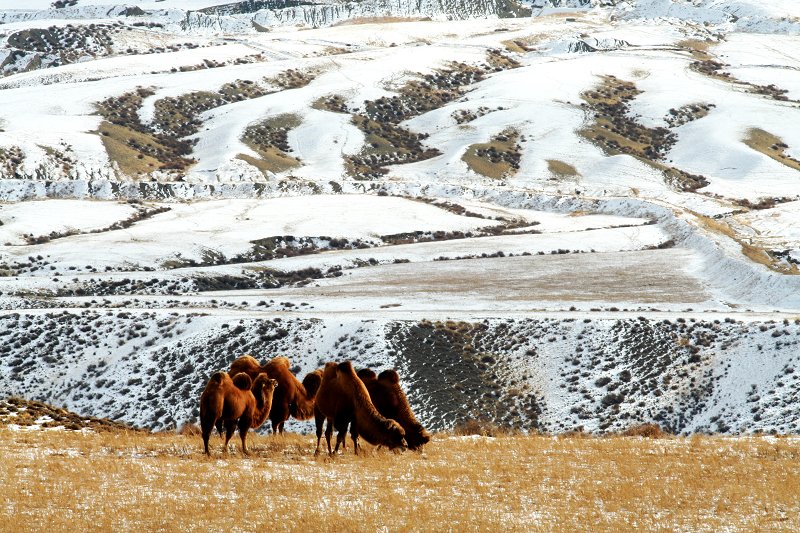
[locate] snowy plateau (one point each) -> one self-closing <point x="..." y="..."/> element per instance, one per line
<point x="551" y="215"/>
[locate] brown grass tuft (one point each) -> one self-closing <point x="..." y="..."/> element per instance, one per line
<point x="189" y="430"/>
<point x="651" y="431"/>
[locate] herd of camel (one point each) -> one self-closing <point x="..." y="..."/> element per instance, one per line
<point x="372" y="406"/>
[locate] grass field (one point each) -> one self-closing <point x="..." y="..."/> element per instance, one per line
<point x="73" y="481"/>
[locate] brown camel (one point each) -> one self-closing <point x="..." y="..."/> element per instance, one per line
<point x="291" y="397"/>
<point x="391" y="402"/>
<point x="343" y="400"/>
<point x="237" y="402"/>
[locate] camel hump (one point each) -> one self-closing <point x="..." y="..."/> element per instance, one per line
<point x="346" y="368"/>
<point x="312" y="381"/>
<point x="242" y="381"/>
<point x="280" y="360"/>
<point x="217" y="378"/>
<point x="390" y="376"/>
<point x="248" y="357"/>
<point x="366" y="373"/>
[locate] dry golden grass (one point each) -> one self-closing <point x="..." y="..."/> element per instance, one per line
<point x="271" y="160"/>
<point x="71" y="481"/>
<point x="561" y="169"/>
<point x="479" y="162"/>
<point x="771" y="146"/>
<point x="130" y="161"/>
<point x="265" y="139"/>
<point x="751" y="251"/>
<point x="698" y="49"/>
<point x="515" y="45"/>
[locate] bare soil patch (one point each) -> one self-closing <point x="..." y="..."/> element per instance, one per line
<point x="650" y="276"/>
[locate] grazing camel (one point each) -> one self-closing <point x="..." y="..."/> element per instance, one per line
<point x="291" y="397"/>
<point x="237" y="402"/>
<point x="343" y="400"/>
<point x="391" y="402"/>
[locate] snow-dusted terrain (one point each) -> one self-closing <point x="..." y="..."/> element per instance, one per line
<point x="550" y="214"/>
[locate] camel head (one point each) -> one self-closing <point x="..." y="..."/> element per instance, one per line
<point x="417" y="436"/>
<point x="394" y="435"/>
<point x="263" y="388"/>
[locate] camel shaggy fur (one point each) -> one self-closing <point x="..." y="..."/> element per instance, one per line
<point x="391" y="402"/>
<point x="291" y="396"/>
<point x="343" y="400"/>
<point x="237" y="402"/>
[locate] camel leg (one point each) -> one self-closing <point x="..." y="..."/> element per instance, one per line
<point x="244" y="425"/>
<point x="219" y="426"/>
<point x="230" y="429"/>
<point x="319" y="419"/>
<point x="339" y="436"/>
<point x="354" y="436"/>
<point x="207" y="426"/>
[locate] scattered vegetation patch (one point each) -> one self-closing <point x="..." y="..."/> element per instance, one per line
<point x="456" y="209"/>
<point x="519" y="46"/>
<point x="430" y="92"/>
<point x="386" y="142"/>
<point x="163" y="145"/>
<point x="463" y="116"/>
<point x="762" y="203"/>
<point x="771" y="91"/>
<point x="771" y="146"/>
<point x="250" y="6"/>
<point x="500" y="61"/>
<point x="60" y="158"/>
<point x="292" y="79"/>
<point x="269" y="139"/>
<point x="11" y="158"/>
<point x="334" y="103"/>
<point x="708" y="65"/>
<point x="210" y="63"/>
<point x="612" y="128"/>
<point x="458" y="363"/>
<point x="497" y="159"/>
<point x="134" y="146"/>
<point x="178" y="117"/>
<point x="60" y="45"/>
<point x="29" y="413"/>
<point x="140" y="148"/>
<point x="688" y="113"/>
<point x="771" y="259"/>
<point x="142" y="213"/>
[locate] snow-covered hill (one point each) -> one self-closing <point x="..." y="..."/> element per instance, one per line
<point x="570" y="183"/>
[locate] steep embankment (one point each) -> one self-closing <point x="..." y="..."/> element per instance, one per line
<point x="555" y="375"/>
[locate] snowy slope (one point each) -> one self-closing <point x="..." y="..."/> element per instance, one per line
<point x="585" y="218"/>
